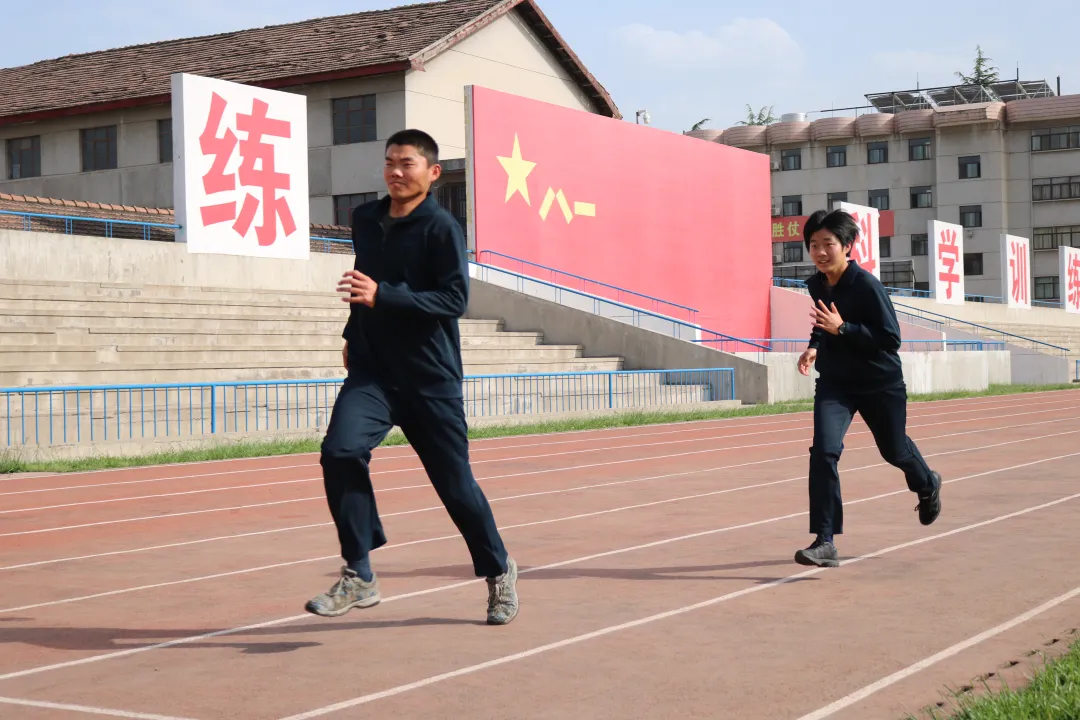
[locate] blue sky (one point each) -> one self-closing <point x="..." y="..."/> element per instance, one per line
<point x="683" y="60"/>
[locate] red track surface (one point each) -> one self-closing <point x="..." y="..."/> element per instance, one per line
<point x="657" y="579"/>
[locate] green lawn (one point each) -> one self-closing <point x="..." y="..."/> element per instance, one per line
<point x="1052" y="694"/>
<point x="226" y="451"/>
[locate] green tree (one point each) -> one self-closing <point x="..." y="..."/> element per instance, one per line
<point x="983" y="74"/>
<point x="762" y="117"/>
<point x="699" y="124"/>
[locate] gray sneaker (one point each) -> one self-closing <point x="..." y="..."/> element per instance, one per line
<point x="502" y="595"/>
<point x="349" y="592"/>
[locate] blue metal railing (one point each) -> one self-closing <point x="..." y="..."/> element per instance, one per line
<point x="68" y="224"/>
<point x="100" y="413"/>
<point x="942" y="321"/>
<point x="788" y="345"/>
<point x="680" y="328"/>
<point x="691" y="313"/>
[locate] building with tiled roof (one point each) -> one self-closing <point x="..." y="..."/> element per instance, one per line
<point x="1003" y="159"/>
<point x="96" y="127"/>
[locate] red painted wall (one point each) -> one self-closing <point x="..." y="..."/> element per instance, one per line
<point x="673" y="217"/>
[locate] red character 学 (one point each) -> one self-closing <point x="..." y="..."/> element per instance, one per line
<point x="949" y="254"/>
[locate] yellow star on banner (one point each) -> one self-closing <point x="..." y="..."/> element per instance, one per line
<point x="517" y="173"/>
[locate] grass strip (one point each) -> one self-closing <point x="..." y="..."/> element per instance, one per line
<point x="1052" y="694"/>
<point x="10" y="463"/>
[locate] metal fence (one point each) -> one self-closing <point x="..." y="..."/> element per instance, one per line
<point x="604" y="307"/>
<point x="594" y="287"/>
<point x="791" y="345"/>
<point x="101" y="413"/>
<point x="78" y="225"/>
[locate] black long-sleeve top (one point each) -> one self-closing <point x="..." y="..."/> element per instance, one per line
<point x="410" y="340"/>
<point x="866" y="355"/>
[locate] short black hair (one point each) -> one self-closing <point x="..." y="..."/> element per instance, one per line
<point x="420" y="140"/>
<point x="838" y="222"/>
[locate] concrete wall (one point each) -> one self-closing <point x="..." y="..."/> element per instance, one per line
<point x="599" y="336"/>
<point x="50" y="257"/>
<point x="505" y="56"/>
<point x="992" y="314"/>
<point x="924" y="372"/>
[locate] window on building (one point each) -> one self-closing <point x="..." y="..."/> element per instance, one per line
<point x="898" y="274"/>
<point x="920" y="244"/>
<point x="971" y="216"/>
<point x="1059" y="188"/>
<point x="354" y="120"/>
<point x="885" y="246"/>
<point x="99" y="148"/>
<point x="924" y="286"/>
<point x="836" y="156"/>
<point x="879" y="199"/>
<point x="164" y="140"/>
<point x="791" y="159"/>
<point x="973" y="264"/>
<point x="970" y="167"/>
<point x="922" y="197"/>
<point x="1051" y="238"/>
<point x="877" y="152"/>
<point x="791" y="205"/>
<point x="1059" y="138"/>
<point x="1047" y="287"/>
<point x="345" y="204"/>
<point x="919" y="149"/>
<point x="793" y="252"/>
<point x="455" y="199"/>
<point x="836" y="197"/>
<point x="24" y="157"/>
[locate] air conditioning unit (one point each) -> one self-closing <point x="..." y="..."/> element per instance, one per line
<point x="776" y="210"/>
<point x="775" y="164"/>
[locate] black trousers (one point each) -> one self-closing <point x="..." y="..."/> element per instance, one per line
<point x="885" y="412"/>
<point x="364" y="413"/>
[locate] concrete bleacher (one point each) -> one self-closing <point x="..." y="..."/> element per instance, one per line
<point x="94" y="333"/>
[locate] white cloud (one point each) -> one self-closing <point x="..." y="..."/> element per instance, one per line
<point x="931" y="68"/>
<point x="743" y="44"/>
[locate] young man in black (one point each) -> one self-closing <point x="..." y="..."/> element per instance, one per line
<point x="854" y="341"/>
<point x="408" y="288"/>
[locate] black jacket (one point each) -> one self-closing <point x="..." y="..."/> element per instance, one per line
<point x="410" y="339"/>
<point x="865" y="356"/>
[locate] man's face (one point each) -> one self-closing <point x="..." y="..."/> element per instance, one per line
<point x="407" y="173"/>
<point x="828" y="254"/>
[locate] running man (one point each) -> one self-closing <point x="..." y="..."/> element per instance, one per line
<point x="402" y="354"/>
<point x="854" y="342"/>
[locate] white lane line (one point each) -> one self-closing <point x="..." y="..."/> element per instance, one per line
<point x="583" y="487"/>
<point x="578" y="639"/>
<point x="696" y="427"/>
<point x="427" y="485"/>
<point x="945" y="654"/>
<point x="564" y="563"/>
<point x="89" y="710"/>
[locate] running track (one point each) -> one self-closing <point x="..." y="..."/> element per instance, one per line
<point x="657" y="579"/>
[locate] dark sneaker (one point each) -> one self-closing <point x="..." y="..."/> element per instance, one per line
<point x="502" y="595"/>
<point x="820" y="554"/>
<point x="349" y="592"/>
<point x="929" y="506"/>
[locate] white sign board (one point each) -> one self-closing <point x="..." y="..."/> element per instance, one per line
<point x="1070" y="278"/>
<point x="1015" y="271"/>
<point x="240" y="173"/>
<point x="867" y="248"/>
<point x="946" y="262"/>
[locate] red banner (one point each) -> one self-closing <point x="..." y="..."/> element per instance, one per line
<point x="646" y="210"/>
<point x="790" y="229"/>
